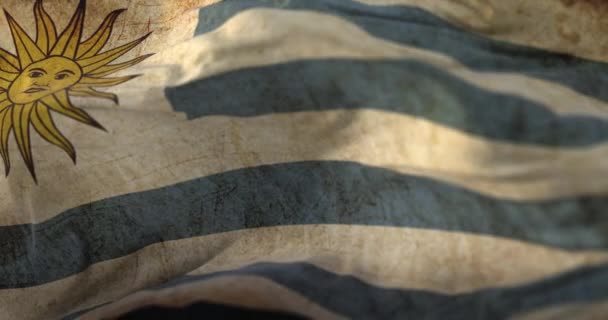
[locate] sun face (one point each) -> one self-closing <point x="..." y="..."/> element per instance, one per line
<point x="38" y="81"/>
<point x="44" y="78"/>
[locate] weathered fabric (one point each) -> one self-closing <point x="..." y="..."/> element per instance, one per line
<point x="294" y="159"/>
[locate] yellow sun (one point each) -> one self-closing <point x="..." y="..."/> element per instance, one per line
<point x="40" y="78"/>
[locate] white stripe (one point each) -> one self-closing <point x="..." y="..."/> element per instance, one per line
<point x="143" y="151"/>
<point x="450" y="262"/>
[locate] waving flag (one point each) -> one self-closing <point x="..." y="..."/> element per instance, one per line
<point x="323" y="159"/>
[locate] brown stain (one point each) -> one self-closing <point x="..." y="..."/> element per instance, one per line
<point x="596" y="7"/>
<point x="594" y="13"/>
<point x="568" y="34"/>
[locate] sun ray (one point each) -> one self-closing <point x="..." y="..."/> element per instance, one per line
<point x="4" y="102"/>
<point x="5" y="130"/>
<point x="64" y="100"/>
<point x="46" y="34"/>
<point x="21" y="125"/>
<point x="45" y="126"/>
<point x="95" y="62"/>
<point x="113" y="68"/>
<point x="60" y="103"/>
<point x="98" y="40"/>
<point x="67" y="43"/>
<point x="4" y="84"/>
<point x="90" y="92"/>
<point x="27" y="51"/>
<point x="8" y="76"/>
<point x="8" y="62"/>
<point x="104" y="82"/>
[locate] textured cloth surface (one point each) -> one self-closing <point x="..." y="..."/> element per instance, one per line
<point x="295" y="159"/>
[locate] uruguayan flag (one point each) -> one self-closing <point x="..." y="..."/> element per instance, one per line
<point x="304" y="159"/>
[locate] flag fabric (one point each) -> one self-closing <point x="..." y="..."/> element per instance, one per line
<point x="304" y="159"/>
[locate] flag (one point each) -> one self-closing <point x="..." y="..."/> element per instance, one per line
<point x="303" y="159"/>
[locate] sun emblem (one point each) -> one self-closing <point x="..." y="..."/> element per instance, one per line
<point x="38" y="81"/>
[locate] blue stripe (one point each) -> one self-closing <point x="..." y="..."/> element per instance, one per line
<point x="402" y="86"/>
<point x="415" y="27"/>
<point x="280" y="195"/>
<point x="207" y="311"/>
<point x="356" y="299"/>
